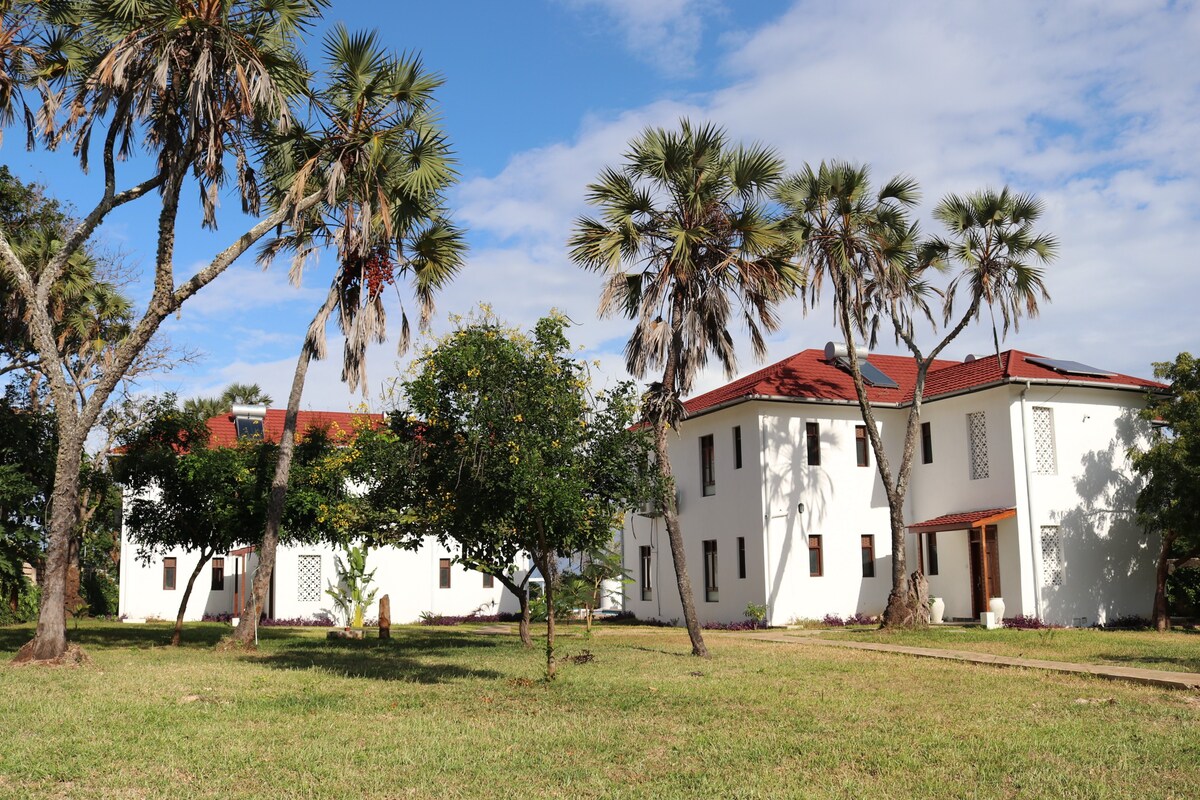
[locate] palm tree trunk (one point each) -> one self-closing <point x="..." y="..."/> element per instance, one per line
<point x="177" y="634"/>
<point x="50" y="641"/>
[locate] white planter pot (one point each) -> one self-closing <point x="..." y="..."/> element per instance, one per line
<point x="937" y="610"/>
<point x="996" y="606"/>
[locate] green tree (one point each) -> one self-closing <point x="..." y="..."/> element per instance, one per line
<point x="588" y="587"/>
<point x="512" y="454"/>
<point x="864" y="246"/>
<point x="1169" y="502"/>
<point x="26" y="471"/>
<point x="377" y="156"/>
<point x="685" y="241"/>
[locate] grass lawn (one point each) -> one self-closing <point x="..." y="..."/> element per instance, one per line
<point x="1177" y="651"/>
<point x="451" y="713"/>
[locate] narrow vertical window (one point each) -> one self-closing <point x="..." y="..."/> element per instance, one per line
<point x="710" y="570"/>
<point x="862" y="446"/>
<point x="443" y="573"/>
<point x="816" y="564"/>
<point x="647" y="584"/>
<point x="977" y="444"/>
<point x="741" y="556"/>
<point x="812" y="439"/>
<point x="926" y="443"/>
<point x="1044" y="458"/>
<point x="868" y="556"/>
<point x="931" y="549"/>
<point x="1052" y="556"/>
<point x="218" y="574"/>
<point x="737" y="446"/>
<point x="489" y="581"/>
<point x="708" y="474"/>
<point x="169" y="574"/>
<point x="308" y="579"/>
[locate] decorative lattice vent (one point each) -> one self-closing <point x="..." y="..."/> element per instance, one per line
<point x="978" y="444"/>
<point x="1052" y="556"/>
<point x="308" y="579"/>
<point x="1045" y="461"/>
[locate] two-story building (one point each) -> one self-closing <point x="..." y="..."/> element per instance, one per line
<point x="1020" y="489"/>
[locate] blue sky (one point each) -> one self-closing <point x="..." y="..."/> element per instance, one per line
<point x="1094" y="107"/>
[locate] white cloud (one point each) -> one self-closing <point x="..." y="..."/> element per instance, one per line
<point x="666" y="34"/>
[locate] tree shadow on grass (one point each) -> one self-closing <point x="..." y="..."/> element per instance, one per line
<point x="119" y="635"/>
<point x="393" y="660"/>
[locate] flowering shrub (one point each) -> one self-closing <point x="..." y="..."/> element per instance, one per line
<point x="859" y="618"/>
<point x="833" y="621"/>
<point x="1025" y="623"/>
<point x="742" y="625"/>
<point x="217" y="618"/>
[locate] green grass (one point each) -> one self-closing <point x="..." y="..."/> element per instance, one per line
<point x="1176" y="651"/>
<point x="451" y="713"/>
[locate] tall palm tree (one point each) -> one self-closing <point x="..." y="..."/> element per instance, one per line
<point x="383" y="164"/>
<point x="864" y="246"/>
<point x="685" y="240"/>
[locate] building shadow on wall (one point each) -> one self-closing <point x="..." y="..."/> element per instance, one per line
<point x="1102" y="547"/>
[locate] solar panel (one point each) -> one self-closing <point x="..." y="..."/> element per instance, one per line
<point x="1069" y="367"/>
<point x="247" y="427"/>
<point x="871" y="373"/>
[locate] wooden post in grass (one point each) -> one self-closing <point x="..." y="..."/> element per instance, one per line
<point x="385" y="617"/>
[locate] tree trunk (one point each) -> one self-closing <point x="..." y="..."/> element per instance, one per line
<point x="50" y="641"/>
<point x="899" y="610"/>
<point x="177" y="634"/>
<point x="1161" y="619"/>
<point x="675" y="537"/>
<point x="520" y="592"/>
<point x="550" y="574"/>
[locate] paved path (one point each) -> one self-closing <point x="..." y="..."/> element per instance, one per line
<point x="1154" y="677"/>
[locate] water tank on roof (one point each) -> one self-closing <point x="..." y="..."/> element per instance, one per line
<point x="837" y="350"/>
<point x="249" y="412"/>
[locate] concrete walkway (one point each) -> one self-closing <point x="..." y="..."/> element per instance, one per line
<point x="1153" y="677"/>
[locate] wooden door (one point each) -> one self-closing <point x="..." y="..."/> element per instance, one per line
<point x="985" y="568"/>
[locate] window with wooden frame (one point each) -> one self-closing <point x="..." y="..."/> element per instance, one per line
<point x="169" y="574"/>
<point x="861" y="446"/>
<point x="737" y="446"/>
<point x="443" y="573"/>
<point x="218" y="574"/>
<point x="489" y="580"/>
<point x="710" y="570"/>
<point x="816" y="563"/>
<point x="741" y="556"/>
<point x="812" y="441"/>
<point x="868" y="556"/>
<point x="926" y="443"/>
<point x="644" y="557"/>
<point x="708" y="467"/>
<point x="931" y="550"/>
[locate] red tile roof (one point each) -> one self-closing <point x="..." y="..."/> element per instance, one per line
<point x="807" y="375"/>
<point x="962" y="520"/>
<point x="338" y="423"/>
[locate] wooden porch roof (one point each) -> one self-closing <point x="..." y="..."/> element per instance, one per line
<point x="963" y="520"/>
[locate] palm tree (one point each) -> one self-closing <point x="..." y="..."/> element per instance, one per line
<point x="250" y="394"/>
<point x="684" y="238"/>
<point x="383" y="166"/>
<point x="865" y="247"/>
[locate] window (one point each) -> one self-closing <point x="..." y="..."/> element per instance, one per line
<point x="308" y="579"/>
<point x="443" y="573"/>
<point x="977" y="445"/>
<point x="816" y="564"/>
<point x="1052" y="556"/>
<point x="868" y="556"/>
<point x="737" y="446"/>
<point x="489" y="581"/>
<point x="710" y="570"/>
<point x="1044" y="459"/>
<point x="708" y="475"/>
<point x="862" y="446"/>
<point x="218" y="574"/>
<point x="812" y="438"/>
<point x="647" y="583"/>
<point x="169" y="574"/>
<point x="741" y="556"/>
<point x="248" y="427"/>
<point x="926" y="443"/>
<point x="931" y="548"/>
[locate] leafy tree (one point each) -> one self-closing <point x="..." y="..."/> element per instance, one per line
<point x="864" y="246"/>
<point x="200" y="88"/>
<point x="685" y="240"/>
<point x="376" y="155"/>
<point x="1169" y="503"/>
<point x="26" y="469"/>
<point x="586" y="589"/>
<point x="511" y="453"/>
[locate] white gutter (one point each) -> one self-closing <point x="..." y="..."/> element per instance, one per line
<point x="762" y="465"/>
<point x="1035" y="544"/>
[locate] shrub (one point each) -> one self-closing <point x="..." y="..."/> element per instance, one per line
<point x="102" y="593"/>
<point x="298" y="622"/>
<point x="859" y="618"/>
<point x="742" y="625"/>
<point x="1183" y="592"/>
<point x="833" y="621"/>
<point x="756" y="613"/>
<point x="429" y="618"/>
<point x="1128" y="622"/>
<point x="217" y="618"/>
<point x="1025" y="623"/>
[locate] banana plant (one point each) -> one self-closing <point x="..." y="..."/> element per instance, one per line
<point x="350" y="594"/>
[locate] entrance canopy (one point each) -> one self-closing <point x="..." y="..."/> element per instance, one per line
<point x="963" y="520"/>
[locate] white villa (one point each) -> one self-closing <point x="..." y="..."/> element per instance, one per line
<point x="1020" y="489"/>
<point x="416" y="581"/>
